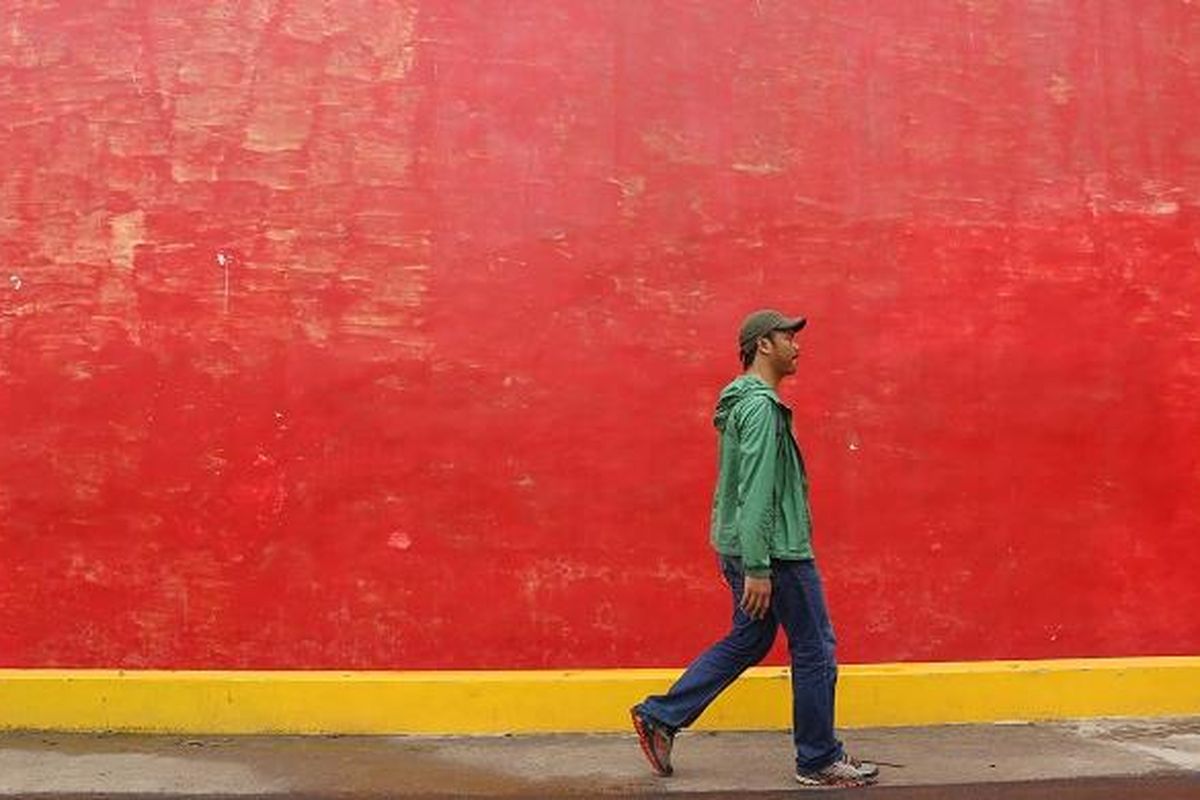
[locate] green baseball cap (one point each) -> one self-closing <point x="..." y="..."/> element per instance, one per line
<point x="760" y="323"/>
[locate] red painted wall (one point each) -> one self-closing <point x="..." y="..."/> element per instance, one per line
<point x="484" y="266"/>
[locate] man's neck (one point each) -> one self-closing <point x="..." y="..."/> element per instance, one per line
<point x="765" y="374"/>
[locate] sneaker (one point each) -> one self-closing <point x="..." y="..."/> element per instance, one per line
<point x="838" y="775"/>
<point x="655" y="739"/>
<point x="864" y="768"/>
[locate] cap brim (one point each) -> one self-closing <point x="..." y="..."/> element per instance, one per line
<point x="792" y="324"/>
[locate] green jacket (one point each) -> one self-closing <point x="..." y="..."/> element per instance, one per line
<point x="760" y="506"/>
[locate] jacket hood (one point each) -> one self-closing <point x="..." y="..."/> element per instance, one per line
<point x="738" y="390"/>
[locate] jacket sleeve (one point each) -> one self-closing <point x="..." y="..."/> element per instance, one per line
<point x="756" y="483"/>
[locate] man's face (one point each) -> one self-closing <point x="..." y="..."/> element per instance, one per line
<point x="783" y="351"/>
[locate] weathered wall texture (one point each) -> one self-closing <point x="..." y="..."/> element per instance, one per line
<point x="385" y="335"/>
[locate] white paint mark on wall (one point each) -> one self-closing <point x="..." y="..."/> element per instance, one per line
<point x="225" y="260"/>
<point x="15" y="280"/>
<point x="757" y="168"/>
<point x="399" y="540"/>
<point x="127" y="231"/>
<point x="1060" y="89"/>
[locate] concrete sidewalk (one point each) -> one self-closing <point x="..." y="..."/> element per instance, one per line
<point x="61" y="765"/>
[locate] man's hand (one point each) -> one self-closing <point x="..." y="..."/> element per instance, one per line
<point x="756" y="597"/>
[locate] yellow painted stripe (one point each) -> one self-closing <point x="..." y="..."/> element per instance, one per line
<point x="489" y="702"/>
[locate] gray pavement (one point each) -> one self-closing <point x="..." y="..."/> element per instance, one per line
<point x="1086" y="759"/>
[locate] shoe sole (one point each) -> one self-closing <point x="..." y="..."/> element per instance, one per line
<point x="648" y="751"/>
<point x="806" y="783"/>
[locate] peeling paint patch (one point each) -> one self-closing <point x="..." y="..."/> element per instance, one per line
<point x="757" y="169"/>
<point x="127" y="232"/>
<point x="1060" y="89"/>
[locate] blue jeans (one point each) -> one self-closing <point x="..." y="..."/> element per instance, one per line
<point x="798" y="603"/>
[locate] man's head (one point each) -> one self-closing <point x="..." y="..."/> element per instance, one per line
<point x="768" y="338"/>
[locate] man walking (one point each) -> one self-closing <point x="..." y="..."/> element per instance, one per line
<point x="761" y="532"/>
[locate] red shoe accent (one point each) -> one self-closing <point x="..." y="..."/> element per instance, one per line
<point x="656" y="745"/>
